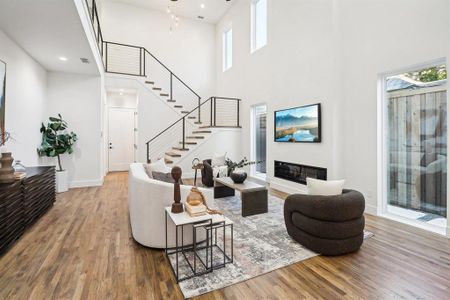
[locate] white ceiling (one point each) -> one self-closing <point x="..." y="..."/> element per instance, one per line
<point x="214" y="9"/>
<point x="47" y="30"/>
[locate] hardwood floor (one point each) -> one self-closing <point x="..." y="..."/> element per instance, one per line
<point x="83" y="249"/>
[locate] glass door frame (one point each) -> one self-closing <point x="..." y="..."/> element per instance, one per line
<point x="253" y="171"/>
<point x="382" y="151"/>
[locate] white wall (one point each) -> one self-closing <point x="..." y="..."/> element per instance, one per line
<point x="189" y="51"/>
<point x="380" y="36"/>
<point x="330" y="51"/>
<point x="26" y="86"/>
<point x="78" y="99"/>
<point x="297" y="67"/>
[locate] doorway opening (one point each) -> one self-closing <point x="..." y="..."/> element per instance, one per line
<point x="259" y="140"/>
<point x="122" y="129"/>
<point x="414" y="146"/>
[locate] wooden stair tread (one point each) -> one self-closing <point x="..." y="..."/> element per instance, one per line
<point x="197" y="137"/>
<point x="185" y="112"/>
<point x="189" y="143"/>
<point x="168" y="161"/>
<point x="164" y="95"/>
<point x="208" y="126"/>
<point x="157" y="89"/>
<point x="178" y="106"/>
<point x="192" y="117"/>
<point x="150" y="82"/>
<point x="180" y="149"/>
<point x="173" y="154"/>
<point x="171" y="100"/>
<point x="198" y="123"/>
<point x="201" y="131"/>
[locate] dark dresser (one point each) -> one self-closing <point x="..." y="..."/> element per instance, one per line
<point x="23" y="202"/>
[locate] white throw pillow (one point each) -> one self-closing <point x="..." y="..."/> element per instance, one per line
<point x="323" y="187"/>
<point x="158" y="166"/>
<point x="218" y="160"/>
<point x="220" y="171"/>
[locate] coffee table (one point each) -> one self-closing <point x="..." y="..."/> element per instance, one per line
<point x="253" y="195"/>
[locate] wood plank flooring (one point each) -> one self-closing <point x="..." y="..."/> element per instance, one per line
<point x="83" y="249"/>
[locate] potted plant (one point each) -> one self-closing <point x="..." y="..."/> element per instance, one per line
<point x="55" y="142"/>
<point x="235" y="171"/>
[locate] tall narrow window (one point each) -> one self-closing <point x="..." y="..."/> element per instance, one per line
<point x="416" y="145"/>
<point x="227" y="49"/>
<point x="259" y="24"/>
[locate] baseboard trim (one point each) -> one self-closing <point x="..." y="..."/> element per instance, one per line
<point x="86" y="183"/>
<point x="371" y="210"/>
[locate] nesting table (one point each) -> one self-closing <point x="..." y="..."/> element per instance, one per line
<point x="253" y="195"/>
<point x="204" y="254"/>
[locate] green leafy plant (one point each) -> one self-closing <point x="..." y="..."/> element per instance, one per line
<point x="55" y="139"/>
<point x="237" y="165"/>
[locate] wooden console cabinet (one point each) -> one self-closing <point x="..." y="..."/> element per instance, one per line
<point x="23" y="202"/>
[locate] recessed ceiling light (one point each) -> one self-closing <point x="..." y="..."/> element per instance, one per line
<point x="62" y="58"/>
<point x="202" y="5"/>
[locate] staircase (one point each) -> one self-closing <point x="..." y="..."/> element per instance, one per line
<point x="197" y="119"/>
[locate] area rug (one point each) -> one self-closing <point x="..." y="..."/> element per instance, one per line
<point x="261" y="245"/>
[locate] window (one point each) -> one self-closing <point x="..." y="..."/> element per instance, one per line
<point x="415" y="146"/>
<point x="227" y="49"/>
<point x="259" y="24"/>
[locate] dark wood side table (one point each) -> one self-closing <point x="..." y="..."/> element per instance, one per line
<point x="23" y="202"/>
<point x="197" y="167"/>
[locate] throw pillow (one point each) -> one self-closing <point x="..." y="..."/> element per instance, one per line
<point x="220" y="171"/>
<point x="218" y="160"/>
<point x="165" y="177"/>
<point x="148" y="171"/>
<point x="324" y="188"/>
<point x="158" y="166"/>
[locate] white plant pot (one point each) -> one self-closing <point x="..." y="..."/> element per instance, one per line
<point x="62" y="181"/>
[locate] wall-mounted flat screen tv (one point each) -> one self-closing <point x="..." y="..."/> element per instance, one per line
<point x="298" y="125"/>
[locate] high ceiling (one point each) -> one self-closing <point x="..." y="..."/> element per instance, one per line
<point x="212" y="12"/>
<point x="49" y="30"/>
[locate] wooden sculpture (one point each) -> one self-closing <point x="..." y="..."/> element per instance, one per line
<point x="177" y="206"/>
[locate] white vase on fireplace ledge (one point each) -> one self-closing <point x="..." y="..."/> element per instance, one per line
<point x="62" y="181"/>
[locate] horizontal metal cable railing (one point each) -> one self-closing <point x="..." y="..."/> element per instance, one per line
<point x="183" y="127"/>
<point x="137" y="61"/>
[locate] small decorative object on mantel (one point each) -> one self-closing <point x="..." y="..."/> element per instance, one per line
<point x="6" y="170"/>
<point x="6" y="160"/>
<point x="177" y="206"/>
<point x="235" y="171"/>
<point x="20" y="172"/>
<point x="55" y="142"/>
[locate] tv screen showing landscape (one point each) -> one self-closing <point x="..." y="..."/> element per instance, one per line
<point x="298" y="125"/>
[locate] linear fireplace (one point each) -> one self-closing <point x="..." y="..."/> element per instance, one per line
<point x="298" y="173"/>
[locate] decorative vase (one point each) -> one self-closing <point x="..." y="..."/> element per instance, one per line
<point x="238" y="176"/>
<point x="62" y="181"/>
<point x="6" y="169"/>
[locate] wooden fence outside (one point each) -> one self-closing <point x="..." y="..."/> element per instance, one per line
<point x="417" y="172"/>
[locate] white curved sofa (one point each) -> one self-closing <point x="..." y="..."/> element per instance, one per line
<point x="147" y="199"/>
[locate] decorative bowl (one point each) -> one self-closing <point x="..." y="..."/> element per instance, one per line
<point x="238" y="177"/>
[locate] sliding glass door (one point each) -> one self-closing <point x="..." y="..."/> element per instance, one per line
<point x="416" y="142"/>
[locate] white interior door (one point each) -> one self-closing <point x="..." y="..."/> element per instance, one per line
<point x="121" y="138"/>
